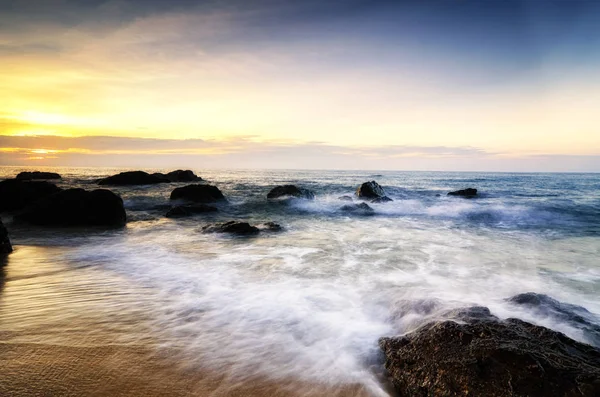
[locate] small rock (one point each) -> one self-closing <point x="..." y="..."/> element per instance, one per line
<point x="271" y="227"/>
<point x="179" y="176"/>
<point x="232" y="227"/>
<point x="370" y="190"/>
<point x="132" y="178"/>
<point x="345" y="198"/>
<point x="37" y="175"/>
<point x="198" y="194"/>
<point x="287" y="191"/>
<point x="467" y="193"/>
<point x="384" y="199"/>
<point x="362" y="208"/>
<point x="181" y="211"/>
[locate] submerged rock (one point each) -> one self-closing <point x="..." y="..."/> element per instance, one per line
<point x="576" y="316"/>
<point x="179" y="176"/>
<point x="360" y="209"/>
<point x="181" y="211"/>
<point x="198" y="194"/>
<point x="37" y="175"/>
<point x="467" y="193"/>
<point x="16" y="194"/>
<point x="133" y="178"/>
<point x="370" y="190"/>
<point x="5" y="246"/>
<point x="384" y="199"/>
<point x="345" y="198"/>
<point x="232" y="227"/>
<point x="488" y="357"/>
<point x="271" y="227"/>
<point x="77" y="207"/>
<point x="287" y="191"/>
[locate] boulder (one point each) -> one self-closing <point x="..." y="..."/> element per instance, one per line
<point x="132" y="178"/>
<point x="181" y="211"/>
<point x="467" y="193"/>
<point x="15" y="194"/>
<point x="179" y="176"/>
<point x="271" y="227"/>
<point x="384" y="199"/>
<point x="38" y="175"/>
<point x="345" y="198"/>
<point x="76" y="207"/>
<point x="287" y="191"/>
<point x="359" y="209"/>
<point x="198" y="194"/>
<point x="5" y="247"/>
<point x="232" y="227"/>
<point x="370" y="190"/>
<point x="489" y="357"/>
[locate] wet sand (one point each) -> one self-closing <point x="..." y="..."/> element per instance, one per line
<point x="48" y="370"/>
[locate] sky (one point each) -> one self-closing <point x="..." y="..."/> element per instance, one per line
<point x="465" y="85"/>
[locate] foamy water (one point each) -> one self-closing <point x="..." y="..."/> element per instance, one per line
<point x="309" y="303"/>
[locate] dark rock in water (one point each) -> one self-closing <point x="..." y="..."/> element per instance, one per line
<point x="491" y="358"/>
<point x="362" y="209"/>
<point x="370" y="190"/>
<point x="384" y="199"/>
<point x="77" y="207"/>
<point x="468" y="193"/>
<point x="179" y="176"/>
<point x="133" y="178"/>
<point x="16" y="194"/>
<point x="576" y="316"/>
<point x="345" y="198"/>
<point x="181" y="211"/>
<point x="287" y="191"/>
<point x="271" y="227"/>
<point x="5" y="247"/>
<point x="438" y="195"/>
<point x="232" y="227"/>
<point x="471" y="313"/>
<point x="198" y="194"/>
<point x="38" y="175"/>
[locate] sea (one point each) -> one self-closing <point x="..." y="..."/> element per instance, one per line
<point x="310" y="302"/>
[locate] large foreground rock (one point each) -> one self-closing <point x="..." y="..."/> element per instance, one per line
<point x="5" y="247"/>
<point x="467" y="193"/>
<point x="232" y="227"/>
<point x="37" y="175"/>
<point x="182" y="211"/>
<point x="132" y="178"/>
<point x="287" y="191"/>
<point x="198" y="194"/>
<point x="16" y="194"/>
<point x="493" y="358"/>
<point x="77" y="207"/>
<point x="372" y="191"/>
<point x="179" y="176"/>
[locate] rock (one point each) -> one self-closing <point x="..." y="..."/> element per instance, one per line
<point x="360" y="209"/>
<point x="232" y="227"/>
<point x="189" y="210"/>
<point x="198" y="194"/>
<point x="5" y="247"/>
<point x="76" y="207"/>
<point x="271" y="227"/>
<point x="16" y="194"/>
<point x="37" y="175"/>
<point x="576" y="316"/>
<point x="370" y="190"/>
<point x="287" y="191"/>
<point x="490" y="358"/>
<point x="179" y="176"/>
<point x="345" y="198"/>
<point x="467" y="193"/>
<point x="384" y="199"/>
<point x="132" y="178"/>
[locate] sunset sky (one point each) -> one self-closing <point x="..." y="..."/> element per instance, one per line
<point x="345" y="84"/>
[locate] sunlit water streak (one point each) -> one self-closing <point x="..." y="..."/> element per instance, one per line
<point x="311" y="302"/>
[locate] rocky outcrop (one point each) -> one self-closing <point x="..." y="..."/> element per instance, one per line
<point x="182" y="211"/>
<point x="198" y="194"/>
<point x="372" y="191"/>
<point x="358" y="209"/>
<point x="76" y="207"/>
<point x="467" y="193"/>
<point x="179" y="176"/>
<point x="132" y="178"/>
<point x="232" y="227"/>
<point x="489" y="357"/>
<point x="5" y="246"/>
<point x="289" y="191"/>
<point x="16" y="194"/>
<point x="38" y="175"/>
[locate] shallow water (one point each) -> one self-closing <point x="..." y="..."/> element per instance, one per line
<point x="311" y="302"/>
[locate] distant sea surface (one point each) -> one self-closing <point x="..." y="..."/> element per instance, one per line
<point x="311" y="302"/>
